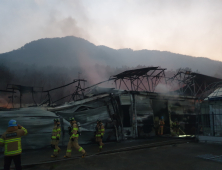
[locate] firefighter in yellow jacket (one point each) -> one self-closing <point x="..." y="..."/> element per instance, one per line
<point x="100" y="131"/>
<point x="11" y="141"/>
<point x="161" y="123"/>
<point x="56" y="132"/>
<point x="176" y="127"/>
<point x="73" y="140"/>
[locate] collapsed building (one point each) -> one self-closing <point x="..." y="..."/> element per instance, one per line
<point x="130" y="110"/>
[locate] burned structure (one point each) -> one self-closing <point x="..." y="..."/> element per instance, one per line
<point x="77" y="94"/>
<point x="191" y="84"/>
<point x="131" y="110"/>
<point x="145" y="79"/>
<point x="23" y="90"/>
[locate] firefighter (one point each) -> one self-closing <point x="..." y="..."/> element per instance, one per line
<point x="100" y="130"/>
<point x="176" y="126"/>
<point x="161" y="125"/>
<point x="156" y="125"/>
<point x="55" y="138"/>
<point x="11" y="141"/>
<point x="73" y="140"/>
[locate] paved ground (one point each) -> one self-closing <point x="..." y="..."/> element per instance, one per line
<point x="179" y="157"/>
<point x="37" y="156"/>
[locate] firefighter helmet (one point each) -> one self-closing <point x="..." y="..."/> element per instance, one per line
<point x="71" y="119"/>
<point x="12" y="123"/>
<point x="56" y="120"/>
<point x="99" y="121"/>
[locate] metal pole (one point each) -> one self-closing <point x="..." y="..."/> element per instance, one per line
<point x="194" y="88"/>
<point x="131" y="84"/>
<point x="126" y="85"/>
<point x="134" y="99"/>
<point x="213" y="123"/>
<point x="13" y="98"/>
<point x="20" y="99"/>
<point x="49" y="99"/>
<point x="120" y="84"/>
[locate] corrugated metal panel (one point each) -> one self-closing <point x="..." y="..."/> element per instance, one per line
<point x="144" y="115"/>
<point x="125" y="99"/>
<point x="93" y="104"/>
<point x="143" y="105"/>
<point x="91" y="116"/>
<point x="73" y="104"/>
<point x="86" y="116"/>
<point x="37" y="121"/>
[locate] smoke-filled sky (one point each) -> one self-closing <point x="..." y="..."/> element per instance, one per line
<point x="192" y="27"/>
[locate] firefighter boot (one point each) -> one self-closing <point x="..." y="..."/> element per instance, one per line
<point x="100" y="148"/>
<point x="83" y="155"/>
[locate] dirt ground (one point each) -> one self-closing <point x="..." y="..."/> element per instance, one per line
<point x="179" y="157"/>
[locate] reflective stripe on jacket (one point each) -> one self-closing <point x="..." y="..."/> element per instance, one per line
<point x="101" y="130"/>
<point x="56" y="132"/>
<point x="74" y="131"/>
<point x="11" y="140"/>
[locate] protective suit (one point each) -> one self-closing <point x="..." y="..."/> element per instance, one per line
<point x="161" y="125"/>
<point x="73" y="140"/>
<point x="176" y="127"/>
<point x="11" y="141"/>
<point x="56" y="132"/>
<point x="100" y="131"/>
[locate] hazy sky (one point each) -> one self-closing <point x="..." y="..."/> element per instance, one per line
<point x="192" y="27"/>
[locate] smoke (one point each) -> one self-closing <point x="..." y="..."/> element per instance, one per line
<point x="162" y="88"/>
<point x="38" y="19"/>
<point x="88" y="69"/>
<point x="64" y="27"/>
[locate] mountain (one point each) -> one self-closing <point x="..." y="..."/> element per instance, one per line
<point x="54" y="62"/>
<point x="76" y="52"/>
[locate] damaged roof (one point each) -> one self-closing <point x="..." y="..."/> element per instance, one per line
<point x="199" y="78"/>
<point x="100" y="90"/>
<point x="216" y="95"/>
<point x="136" y="72"/>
